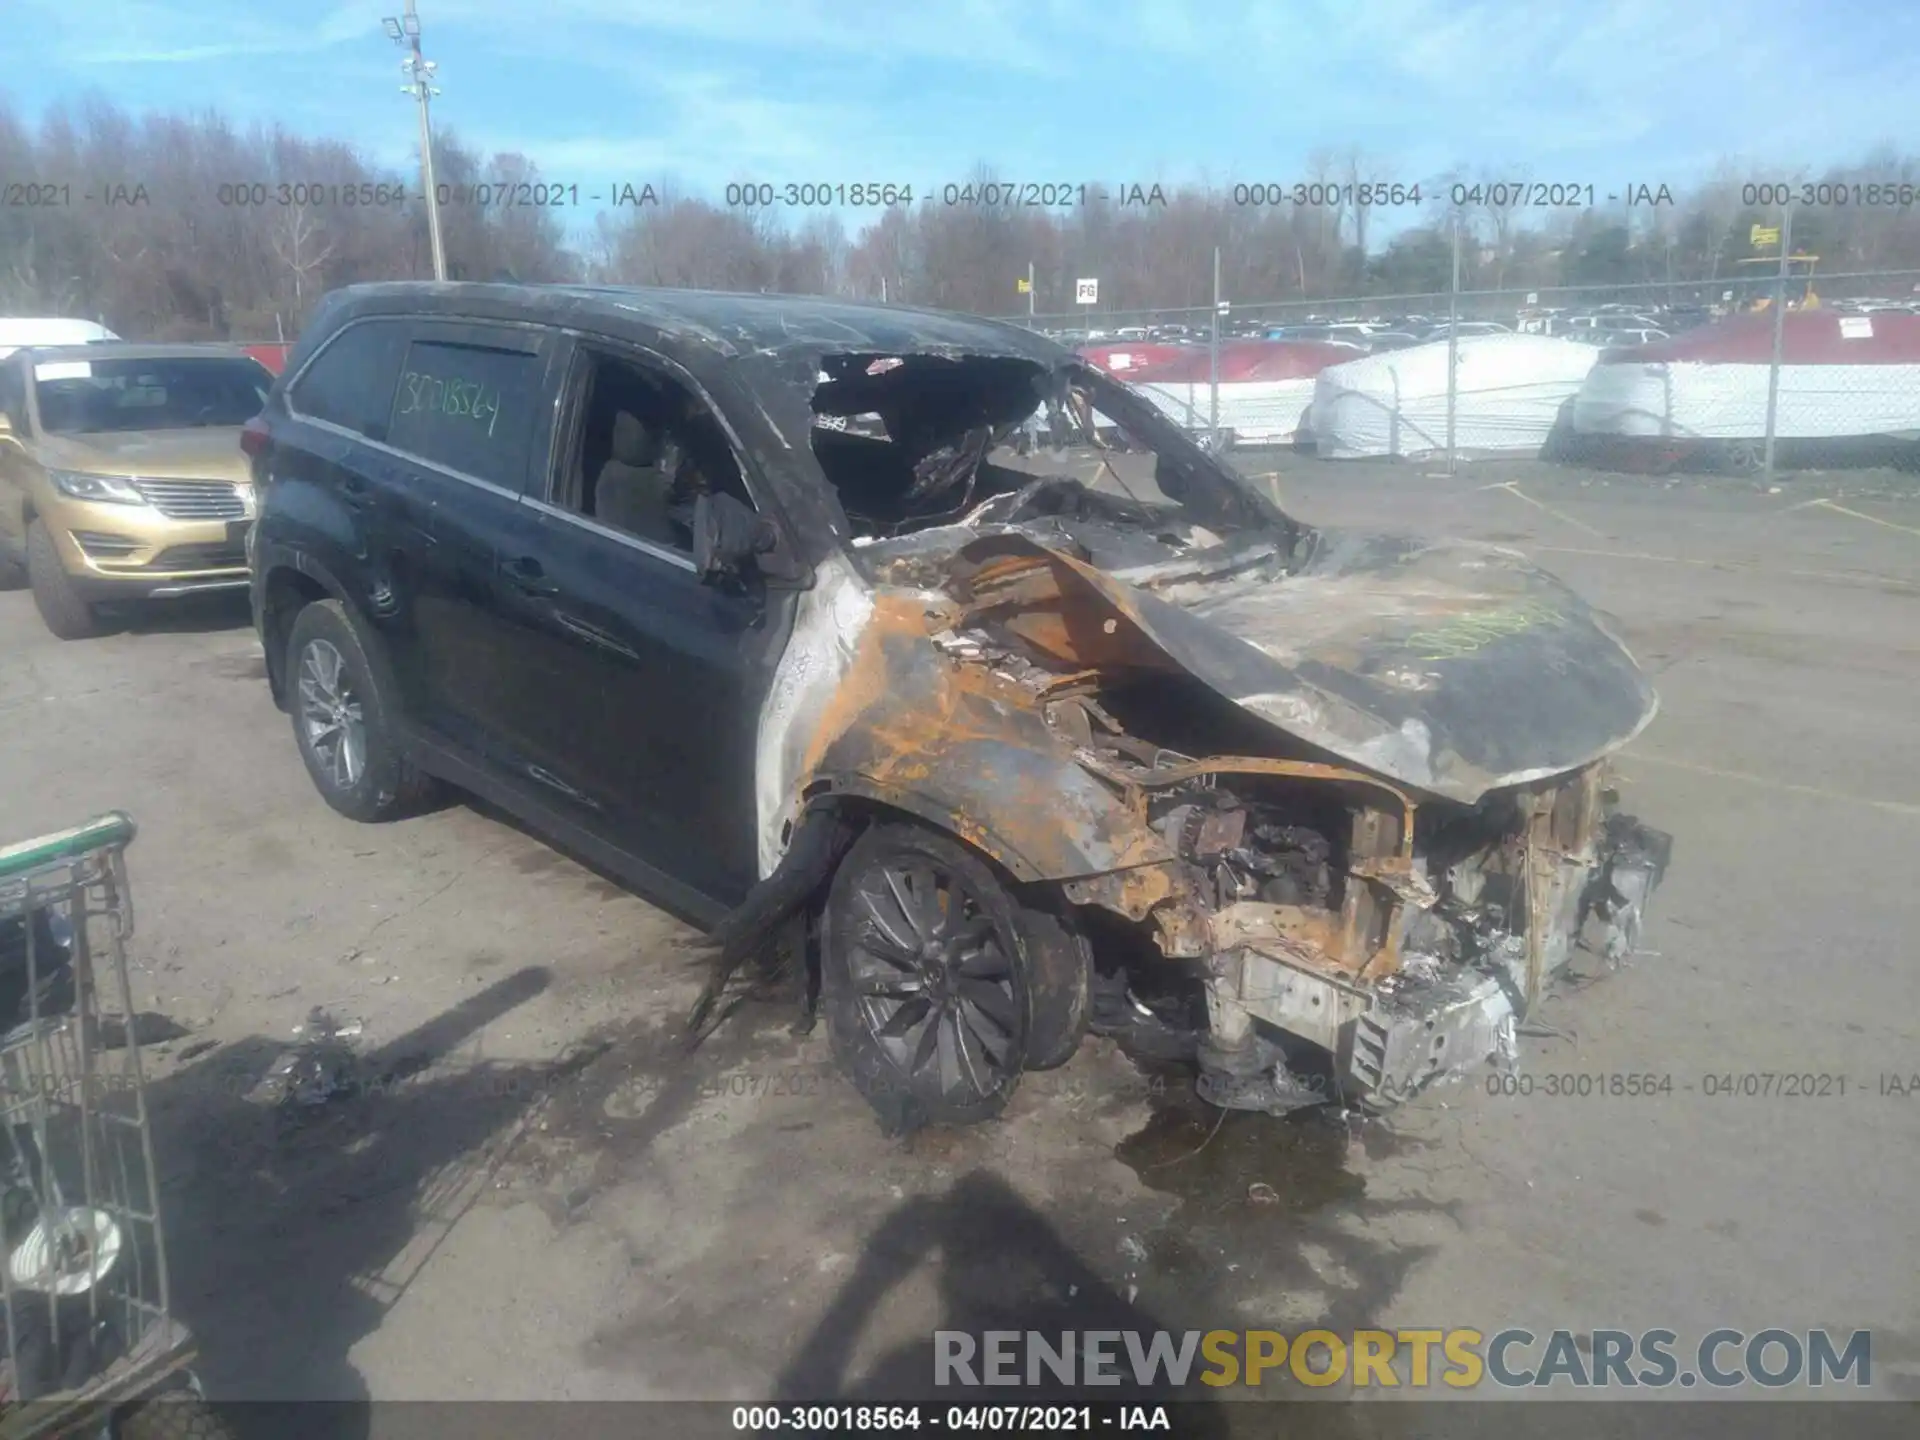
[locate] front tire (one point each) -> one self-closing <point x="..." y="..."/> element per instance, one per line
<point x="59" y="601"/>
<point x="926" y="979"/>
<point x="343" y="708"/>
<point x="1060" y="981"/>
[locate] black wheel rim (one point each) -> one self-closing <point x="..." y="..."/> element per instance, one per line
<point x="936" y="986"/>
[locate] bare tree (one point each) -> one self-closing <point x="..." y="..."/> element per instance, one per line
<point x="299" y="242"/>
<point x="1502" y="210"/>
<point x="200" y="229"/>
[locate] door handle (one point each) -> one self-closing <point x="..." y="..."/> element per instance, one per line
<point x="525" y="575"/>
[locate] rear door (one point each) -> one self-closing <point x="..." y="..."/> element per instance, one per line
<point x="334" y="493"/>
<point x="471" y="417"/>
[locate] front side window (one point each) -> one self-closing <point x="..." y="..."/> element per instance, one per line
<point x="467" y="407"/>
<point x="647" y="449"/>
<point x="90" y="397"/>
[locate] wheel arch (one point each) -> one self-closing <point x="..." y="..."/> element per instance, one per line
<point x="1081" y="830"/>
<point x="289" y="582"/>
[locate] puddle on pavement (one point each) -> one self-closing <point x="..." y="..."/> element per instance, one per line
<point x="1257" y="1193"/>
<point x="1219" y="1160"/>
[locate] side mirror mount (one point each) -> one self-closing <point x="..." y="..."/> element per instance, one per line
<point x="728" y="538"/>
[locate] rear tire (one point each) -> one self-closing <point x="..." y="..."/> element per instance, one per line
<point x="13" y="571"/>
<point x="66" y="612"/>
<point x="342" y="701"/>
<point x="928" y="979"/>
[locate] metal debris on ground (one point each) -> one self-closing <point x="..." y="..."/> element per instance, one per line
<point x="321" y="1068"/>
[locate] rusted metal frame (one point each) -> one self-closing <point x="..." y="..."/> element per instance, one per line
<point x="1372" y="906"/>
<point x="1263" y="765"/>
<point x="1560" y="827"/>
<point x="1380" y="849"/>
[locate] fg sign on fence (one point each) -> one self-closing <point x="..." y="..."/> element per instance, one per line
<point x="1086" y="292"/>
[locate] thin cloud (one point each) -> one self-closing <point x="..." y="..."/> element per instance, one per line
<point x="994" y="32"/>
<point x="1612" y="92"/>
<point x="151" y="32"/>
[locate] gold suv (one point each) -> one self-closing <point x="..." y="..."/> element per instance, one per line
<point x="121" y="475"/>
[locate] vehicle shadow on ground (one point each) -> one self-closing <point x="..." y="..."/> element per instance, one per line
<point x="293" y="1227"/>
<point x="194" y="615"/>
<point x="1002" y="1266"/>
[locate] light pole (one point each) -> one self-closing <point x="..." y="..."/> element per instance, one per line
<point x="405" y="30"/>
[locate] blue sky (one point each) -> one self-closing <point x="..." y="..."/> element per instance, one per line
<point x="1609" y="92"/>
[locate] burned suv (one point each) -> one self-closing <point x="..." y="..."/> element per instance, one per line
<point x="1010" y="743"/>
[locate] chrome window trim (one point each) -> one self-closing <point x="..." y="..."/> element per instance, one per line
<point x="348" y="433"/>
<point x="633" y="542"/>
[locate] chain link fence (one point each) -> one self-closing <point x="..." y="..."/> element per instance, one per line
<point x="1761" y="369"/>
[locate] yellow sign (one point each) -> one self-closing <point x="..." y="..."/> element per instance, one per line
<point x="1763" y="235"/>
<point x="1022" y="285"/>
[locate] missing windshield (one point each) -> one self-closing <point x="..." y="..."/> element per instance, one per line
<point x="921" y="443"/>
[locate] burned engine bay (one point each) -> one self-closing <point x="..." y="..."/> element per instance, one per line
<point x="1352" y="789"/>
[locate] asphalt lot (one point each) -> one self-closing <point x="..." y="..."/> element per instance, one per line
<point x="551" y="1201"/>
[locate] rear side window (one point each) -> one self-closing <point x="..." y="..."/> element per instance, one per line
<point x="351" y="382"/>
<point x="469" y="408"/>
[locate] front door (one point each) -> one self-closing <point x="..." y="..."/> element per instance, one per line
<point x="640" y="687"/>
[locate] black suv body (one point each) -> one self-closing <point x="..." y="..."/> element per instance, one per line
<point x="618" y="562"/>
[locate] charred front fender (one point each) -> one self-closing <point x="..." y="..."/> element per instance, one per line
<point x="969" y="749"/>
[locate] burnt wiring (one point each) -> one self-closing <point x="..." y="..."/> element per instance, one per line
<point x="1082" y="406"/>
<point x="748" y="939"/>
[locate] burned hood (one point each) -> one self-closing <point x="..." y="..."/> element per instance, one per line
<point x="1452" y="668"/>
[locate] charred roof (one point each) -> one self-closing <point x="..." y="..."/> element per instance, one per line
<point x="729" y="323"/>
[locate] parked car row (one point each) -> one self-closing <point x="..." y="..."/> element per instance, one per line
<point x="1873" y="306"/>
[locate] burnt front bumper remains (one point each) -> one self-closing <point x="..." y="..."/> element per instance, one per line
<point x="1426" y="963"/>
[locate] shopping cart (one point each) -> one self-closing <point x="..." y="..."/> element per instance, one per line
<point x="91" y="1345"/>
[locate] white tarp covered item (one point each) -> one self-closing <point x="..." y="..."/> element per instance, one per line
<point x="1511" y="391"/>
<point x="1265" y="388"/>
<point x="1840" y="376"/>
<point x="1258" y="412"/>
<point x="18" y="332"/>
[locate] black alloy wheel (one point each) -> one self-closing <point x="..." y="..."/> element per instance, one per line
<point x="926" y="979"/>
